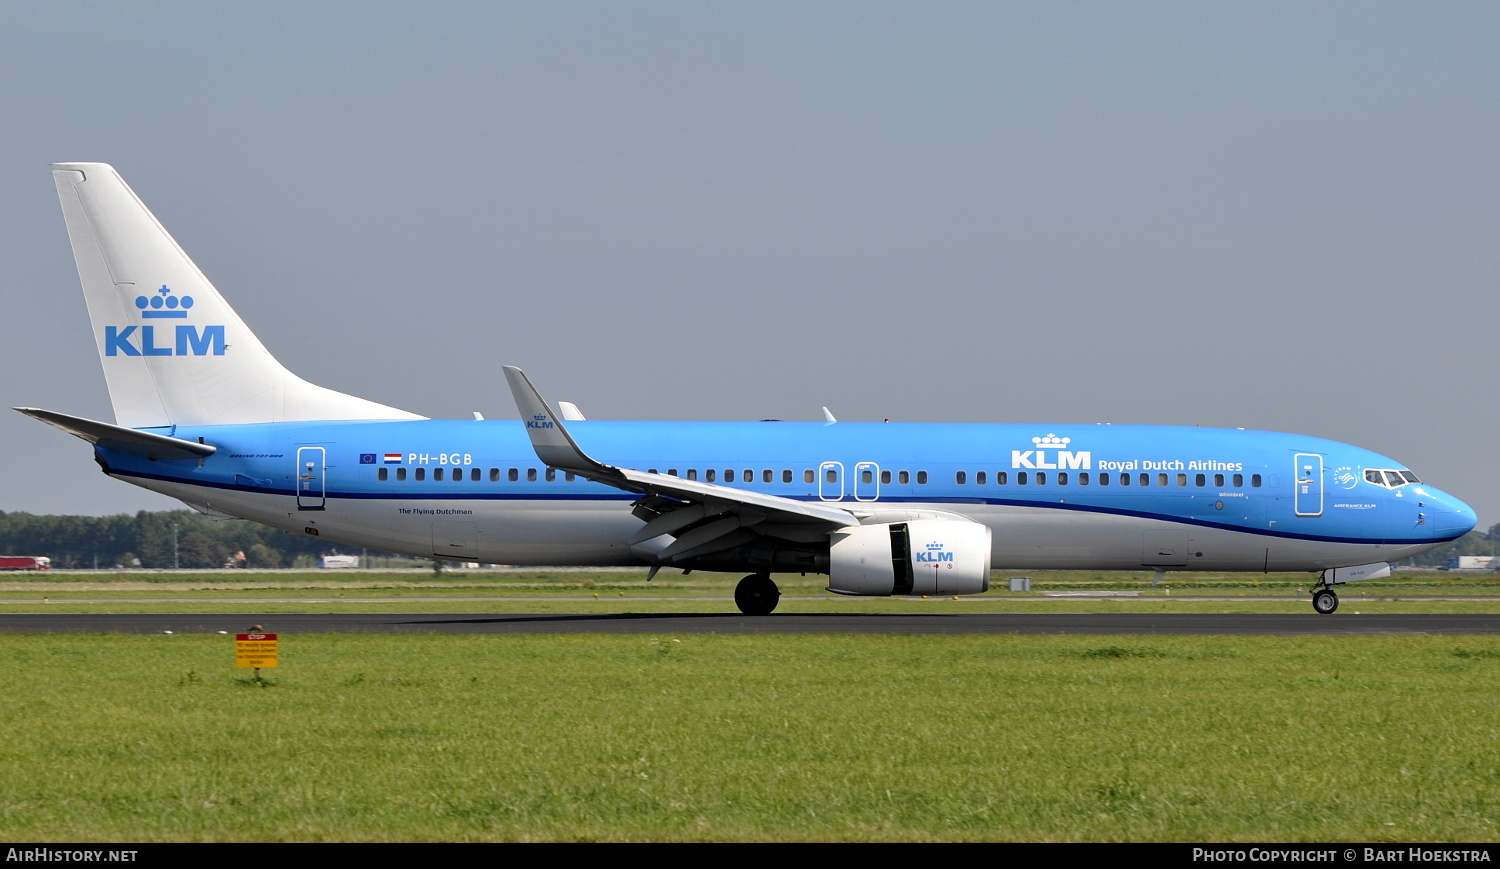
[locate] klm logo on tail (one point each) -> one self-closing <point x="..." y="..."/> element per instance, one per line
<point x="183" y="340"/>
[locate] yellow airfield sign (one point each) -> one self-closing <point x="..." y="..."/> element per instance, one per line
<point x="255" y="650"/>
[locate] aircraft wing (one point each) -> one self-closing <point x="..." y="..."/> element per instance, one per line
<point x="703" y="517"/>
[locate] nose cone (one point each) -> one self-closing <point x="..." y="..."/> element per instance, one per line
<point x="1449" y="517"/>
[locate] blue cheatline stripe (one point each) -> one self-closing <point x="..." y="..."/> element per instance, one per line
<point x="628" y="496"/>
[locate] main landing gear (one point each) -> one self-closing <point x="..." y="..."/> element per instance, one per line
<point x="756" y="595"/>
<point x="1324" y="600"/>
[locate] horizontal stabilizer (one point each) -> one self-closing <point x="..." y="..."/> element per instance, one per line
<point x="126" y="440"/>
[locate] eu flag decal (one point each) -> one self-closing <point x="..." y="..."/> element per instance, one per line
<point x="367" y="458"/>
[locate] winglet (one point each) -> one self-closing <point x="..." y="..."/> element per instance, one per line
<point x="553" y="445"/>
<point x="828" y="415"/>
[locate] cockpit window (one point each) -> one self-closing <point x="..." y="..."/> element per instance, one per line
<point x="1390" y="479"/>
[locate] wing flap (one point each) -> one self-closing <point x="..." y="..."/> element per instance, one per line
<point x="786" y="509"/>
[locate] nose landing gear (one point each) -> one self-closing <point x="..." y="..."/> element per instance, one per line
<point x="757" y="595"/>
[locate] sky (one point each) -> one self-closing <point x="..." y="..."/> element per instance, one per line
<point x="1275" y="216"/>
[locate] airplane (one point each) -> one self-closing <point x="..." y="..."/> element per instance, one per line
<point x="205" y="414"/>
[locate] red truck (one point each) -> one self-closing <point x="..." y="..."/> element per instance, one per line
<point x="25" y="562"/>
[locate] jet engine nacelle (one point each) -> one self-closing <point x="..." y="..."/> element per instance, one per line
<point x="923" y="556"/>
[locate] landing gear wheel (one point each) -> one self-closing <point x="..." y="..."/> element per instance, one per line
<point x="1325" y="601"/>
<point x="756" y="595"/>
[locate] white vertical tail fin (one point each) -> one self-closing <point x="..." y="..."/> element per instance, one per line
<point x="174" y="352"/>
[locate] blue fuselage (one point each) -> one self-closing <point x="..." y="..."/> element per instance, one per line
<point x="1054" y="496"/>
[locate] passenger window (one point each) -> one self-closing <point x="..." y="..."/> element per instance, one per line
<point x="513" y="475"/>
<point x="474" y="476"/>
<point x="381" y="474"/>
<point x="1146" y="480"/>
<point x="1124" y="479"/>
<point x="979" y="478"/>
<point x="749" y="476"/>
<point x="1239" y="481"/>
<point x="1182" y="479"/>
<point x="1001" y="478"/>
<point x="1041" y="478"/>
<point x="767" y="476"/>
<point x="921" y="478"/>
<point x="1062" y="478"/>
<point x="1218" y="481"/>
<point x="1020" y="478"/>
<point x="1200" y="480"/>
<point x="867" y="476"/>
<point x="903" y="478"/>
<point x="531" y="475"/>
<point x="494" y="475"/>
<point x="729" y="475"/>
<point x="692" y="473"/>
<point x="831" y="475"/>
<point x="885" y="477"/>
<point x="400" y="474"/>
<point x="807" y="476"/>
<point x="420" y="474"/>
<point x="1083" y="478"/>
<point x="568" y="477"/>
<point x="786" y="475"/>
<point x="437" y="473"/>
<point x="960" y="477"/>
<point x="710" y="476"/>
<point x="1161" y="480"/>
<point x="552" y="475"/>
<point x="671" y="472"/>
<point x="1255" y="481"/>
<point x="1104" y="479"/>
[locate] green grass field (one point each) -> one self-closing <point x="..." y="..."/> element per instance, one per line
<point x="750" y="738"/>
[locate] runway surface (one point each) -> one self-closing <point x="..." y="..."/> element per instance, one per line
<point x="1308" y="624"/>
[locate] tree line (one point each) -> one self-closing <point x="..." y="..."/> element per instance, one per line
<point x="1473" y="543"/>
<point x="161" y="540"/>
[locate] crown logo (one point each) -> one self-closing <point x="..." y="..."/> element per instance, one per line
<point x="164" y="305"/>
<point x="1051" y="441"/>
<point x="540" y="417"/>
<point x="934" y="546"/>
